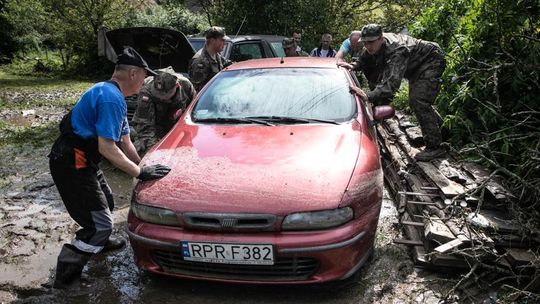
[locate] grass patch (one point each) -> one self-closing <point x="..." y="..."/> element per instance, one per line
<point x="35" y="136"/>
<point x="23" y="91"/>
<point x="42" y="83"/>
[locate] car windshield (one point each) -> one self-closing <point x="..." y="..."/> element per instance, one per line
<point x="294" y="95"/>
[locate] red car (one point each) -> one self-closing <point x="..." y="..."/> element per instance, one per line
<point x="276" y="178"/>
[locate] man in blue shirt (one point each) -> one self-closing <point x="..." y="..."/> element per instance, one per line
<point x="96" y="127"/>
<point x="350" y="45"/>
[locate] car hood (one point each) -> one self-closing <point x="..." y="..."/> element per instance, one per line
<point x="158" y="46"/>
<point x="258" y="169"/>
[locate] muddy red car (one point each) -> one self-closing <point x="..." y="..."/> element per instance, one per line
<point x="276" y="178"/>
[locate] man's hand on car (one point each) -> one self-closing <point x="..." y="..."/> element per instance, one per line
<point x="359" y="92"/>
<point x="346" y="65"/>
<point x="153" y="172"/>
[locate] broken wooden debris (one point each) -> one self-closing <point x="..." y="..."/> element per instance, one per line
<point x="436" y="230"/>
<point x="408" y="242"/>
<point x="448" y="187"/>
<point x="519" y="257"/>
<point x="448" y="246"/>
<point x="436" y="200"/>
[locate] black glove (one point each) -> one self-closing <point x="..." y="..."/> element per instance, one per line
<point x="153" y="172"/>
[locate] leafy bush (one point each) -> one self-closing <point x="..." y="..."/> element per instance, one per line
<point x="490" y="95"/>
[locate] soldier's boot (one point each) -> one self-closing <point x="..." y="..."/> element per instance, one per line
<point x="430" y="154"/>
<point x="71" y="262"/>
<point x="113" y="244"/>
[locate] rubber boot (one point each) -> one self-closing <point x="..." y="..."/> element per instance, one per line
<point x="113" y="244"/>
<point x="71" y="262"/>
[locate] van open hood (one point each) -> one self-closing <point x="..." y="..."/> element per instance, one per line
<point x="160" y="47"/>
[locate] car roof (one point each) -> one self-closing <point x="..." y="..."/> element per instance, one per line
<point x="271" y="38"/>
<point x="285" y="62"/>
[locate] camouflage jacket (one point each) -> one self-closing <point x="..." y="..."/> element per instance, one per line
<point x="154" y="117"/>
<point x="400" y="57"/>
<point x="203" y="67"/>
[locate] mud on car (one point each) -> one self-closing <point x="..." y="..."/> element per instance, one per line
<point x="276" y="178"/>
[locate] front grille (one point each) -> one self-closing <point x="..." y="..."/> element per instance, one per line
<point x="237" y="222"/>
<point x="284" y="269"/>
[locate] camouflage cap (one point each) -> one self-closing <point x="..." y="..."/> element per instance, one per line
<point x="216" y="32"/>
<point x="287" y="43"/>
<point x="164" y="85"/>
<point x="371" y="32"/>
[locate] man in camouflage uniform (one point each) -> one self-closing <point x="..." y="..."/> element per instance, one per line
<point x="208" y="61"/>
<point x="388" y="58"/>
<point x="157" y="104"/>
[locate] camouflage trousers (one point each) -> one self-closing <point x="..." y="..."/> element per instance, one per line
<point x="143" y="141"/>
<point x="423" y="89"/>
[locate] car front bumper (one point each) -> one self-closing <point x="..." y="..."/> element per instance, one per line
<point x="301" y="257"/>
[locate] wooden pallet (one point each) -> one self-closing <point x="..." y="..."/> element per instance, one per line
<point x="437" y="204"/>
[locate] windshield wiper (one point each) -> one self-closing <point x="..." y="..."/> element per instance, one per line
<point x="233" y="120"/>
<point x="290" y="119"/>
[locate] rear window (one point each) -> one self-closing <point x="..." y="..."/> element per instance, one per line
<point x="197" y="44"/>
<point x="294" y="92"/>
<point x="278" y="48"/>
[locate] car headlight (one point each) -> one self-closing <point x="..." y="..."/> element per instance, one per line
<point x="155" y="215"/>
<point x="317" y="219"/>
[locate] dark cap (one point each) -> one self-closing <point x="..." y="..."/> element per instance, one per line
<point x="216" y="32"/>
<point x="163" y="85"/>
<point x="130" y="57"/>
<point x="287" y="43"/>
<point x="371" y="32"/>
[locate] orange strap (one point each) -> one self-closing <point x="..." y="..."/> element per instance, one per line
<point x="80" y="159"/>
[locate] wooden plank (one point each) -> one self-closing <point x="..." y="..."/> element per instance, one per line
<point x="408" y="242"/>
<point x="453" y="173"/>
<point x="519" y="257"/>
<point x="419" y="194"/>
<point x="393" y="127"/>
<point x="436" y="230"/>
<point x="448" y="187"/>
<point x="414" y="135"/>
<point x="451" y="261"/>
<point x="412" y="232"/>
<point x="448" y="246"/>
<point x="420" y="203"/>
<point x="411" y="223"/>
<point x="494" y="186"/>
<point x="402" y="203"/>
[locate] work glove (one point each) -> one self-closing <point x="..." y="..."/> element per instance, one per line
<point x="153" y="172"/>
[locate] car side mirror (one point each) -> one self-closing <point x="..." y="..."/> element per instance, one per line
<point x="177" y="114"/>
<point x="381" y="113"/>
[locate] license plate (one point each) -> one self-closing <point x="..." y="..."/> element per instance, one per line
<point x="256" y="254"/>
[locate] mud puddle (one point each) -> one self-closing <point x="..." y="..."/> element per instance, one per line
<point x="390" y="277"/>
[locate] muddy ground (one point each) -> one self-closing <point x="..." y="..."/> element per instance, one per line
<point x="34" y="224"/>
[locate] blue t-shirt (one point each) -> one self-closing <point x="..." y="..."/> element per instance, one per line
<point x="345" y="47"/>
<point x="101" y="111"/>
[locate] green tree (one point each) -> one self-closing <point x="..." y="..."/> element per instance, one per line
<point x="311" y="17"/>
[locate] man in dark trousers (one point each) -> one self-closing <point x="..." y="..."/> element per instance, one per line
<point x="388" y="58"/>
<point x="96" y="127"/>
